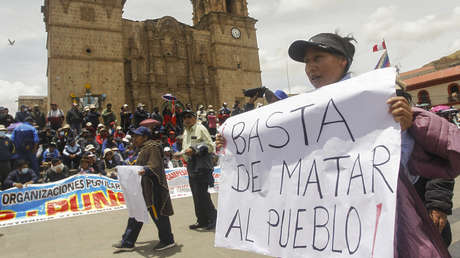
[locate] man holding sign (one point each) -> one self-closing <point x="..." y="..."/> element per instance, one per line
<point x="332" y="185"/>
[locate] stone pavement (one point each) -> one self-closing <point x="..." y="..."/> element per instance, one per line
<point x="92" y="236"/>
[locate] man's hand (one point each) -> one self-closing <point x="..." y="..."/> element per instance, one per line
<point x="220" y="141"/>
<point x="439" y="219"/>
<point x="141" y="173"/>
<point x="18" y="185"/>
<point x="28" y="183"/>
<point x="401" y="111"/>
<point x="189" y="152"/>
<point x="253" y="99"/>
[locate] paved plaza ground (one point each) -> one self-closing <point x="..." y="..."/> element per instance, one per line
<point x="91" y="236"/>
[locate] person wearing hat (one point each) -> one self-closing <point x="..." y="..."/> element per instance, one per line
<point x="72" y="154"/>
<point x="111" y="160"/>
<point x="55" y="117"/>
<point x="224" y="113"/>
<point x="93" y="116"/>
<point x="57" y="171"/>
<point x="74" y="118"/>
<point x="108" y="116"/>
<point x="119" y="134"/>
<point x="38" y="117"/>
<point x="140" y="115"/>
<point x="5" y="118"/>
<point x="21" y="177"/>
<point x="7" y="150"/>
<point x="51" y="153"/>
<point x="155" y="190"/>
<point x="327" y="58"/>
<point x="201" y="115"/>
<point x="212" y="122"/>
<point x="155" y="115"/>
<point x="197" y="149"/>
<point x="22" y="114"/>
<point x="125" y="117"/>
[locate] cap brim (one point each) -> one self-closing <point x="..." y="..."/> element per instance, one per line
<point x="298" y="48"/>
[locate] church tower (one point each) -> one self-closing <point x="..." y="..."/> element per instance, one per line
<point x="234" y="50"/>
<point x="85" y="59"/>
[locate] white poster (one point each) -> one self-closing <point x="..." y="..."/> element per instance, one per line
<point x="314" y="175"/>
<point x="130" y="182"/>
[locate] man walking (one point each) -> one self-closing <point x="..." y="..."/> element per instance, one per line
<point x="197" y="147"/>
<point x="155" y="190"/>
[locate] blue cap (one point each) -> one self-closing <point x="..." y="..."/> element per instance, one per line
<point x="142" y="130"/>
<point x="281" y="94"/>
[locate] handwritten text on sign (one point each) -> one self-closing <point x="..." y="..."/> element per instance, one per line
<point x="314" y="175"/>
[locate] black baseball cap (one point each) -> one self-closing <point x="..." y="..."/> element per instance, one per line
<point x="329" y="42"/>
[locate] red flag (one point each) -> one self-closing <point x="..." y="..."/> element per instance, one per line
<point x="379" y="46"/>
<point x="173" y="111"/>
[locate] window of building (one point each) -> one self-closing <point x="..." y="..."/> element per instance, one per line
<point x="229" y="5"/>
<point x="424" y="97"/>
<point x="453" y="92"/>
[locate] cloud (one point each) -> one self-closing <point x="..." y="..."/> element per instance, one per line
<point x="455" y="45"/>
<point x="385" y="23"/>
<point x="15" y="89"/>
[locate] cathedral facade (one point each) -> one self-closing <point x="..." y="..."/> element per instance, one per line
<point x="94" y="55"/>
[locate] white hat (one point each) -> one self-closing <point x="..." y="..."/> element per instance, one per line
<point x="166" y="149"/>
<point x="126" y="140"/>
<point x="89" y="124"/>
<point x="92" y="106"/>
<point x="119" y="128"/>
<point x="89" y="147"/>
<point x="107" y="150"/>
<point x="115" y="149"/>
<point x="3" y="128"/>
<point x="100" y="125"/>
<point x="86" y="108"/>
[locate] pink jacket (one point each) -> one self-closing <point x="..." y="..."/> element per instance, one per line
<point x="436" y="154"/>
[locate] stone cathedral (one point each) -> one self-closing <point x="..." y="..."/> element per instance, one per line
<point x="96" y="56"/>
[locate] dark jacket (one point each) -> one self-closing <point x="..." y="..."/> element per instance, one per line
<point x="139" y="116"/>
<point x="6" y="119"/>
<point x="17" y="176"/>
<point x="93" y="117"/>
<point x="74" y="116"/>
<point x="125" y="118"/>
<point x="154" y="185"/>
<point x="39" y="118"/>
<point x="7" y="148"/>
<point x="53" y="176"/>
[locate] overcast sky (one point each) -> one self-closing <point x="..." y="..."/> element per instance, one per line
<point x="416" y="32"/>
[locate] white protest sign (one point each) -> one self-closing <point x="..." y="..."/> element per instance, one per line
<point x="314" y="175"/>
<point x="130" y="182"/>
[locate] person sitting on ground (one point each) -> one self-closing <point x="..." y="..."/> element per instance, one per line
<point x="119" y="134"/>
<point x="51" y="153"/>
<point x="89" y="126"/>
<point x="110" y="160"/>
<point x="72" y="154"/>
<point x="171" y="138"/>
<point x="85" y="166"/>
<point x="21" y="177"/>
<point x="102" y="135"/>
<point x="57" y="171"/>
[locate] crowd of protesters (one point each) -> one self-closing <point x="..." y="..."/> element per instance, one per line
<point x="38" y="147"/>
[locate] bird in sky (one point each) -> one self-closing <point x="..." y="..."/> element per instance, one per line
<point x="11" y="42"/>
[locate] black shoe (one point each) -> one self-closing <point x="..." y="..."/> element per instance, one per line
<point x="162" y="246"/>
<point x="123" y="247"/>
<point x="197" y="225"/>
